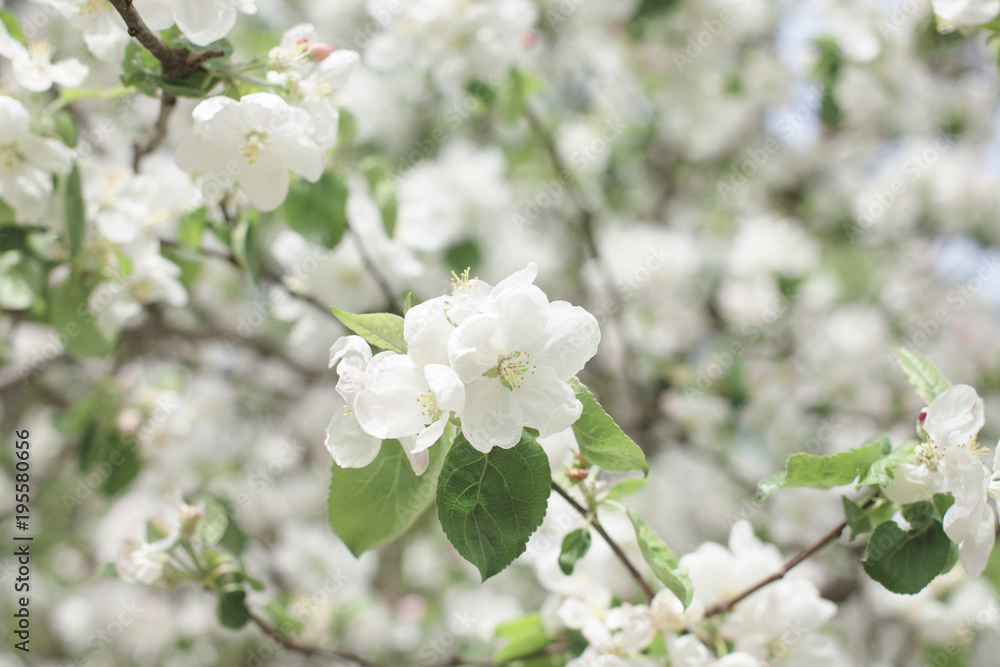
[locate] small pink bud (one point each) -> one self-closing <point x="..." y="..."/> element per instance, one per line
<point x="576" y="475"/>
<point x="320" y="51"/>
<point x="529" y="38"/>
<point x="922" y="416"/>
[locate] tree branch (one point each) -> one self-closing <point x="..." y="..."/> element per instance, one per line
<point x="723" y="607"/>
<point x="177" y="63"/>
<point x="643" y="584"/>
<point x="293" y="645"/>
<point x="168" y="101"/>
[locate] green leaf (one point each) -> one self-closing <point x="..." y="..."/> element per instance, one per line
<point x="825" y="472"/>
<point x="862" y="520"/>
<point x="525" y="635"/>
<point x="76" y="221"/>
<point x="383" y="330"/>
<point x="663" y="561"/>
<point x="575" y="546"/>
<point x="213" y="524"/>
<point x="317" y="210"/>
<point x="490" y="504"/>
<point x="21" y="280"/>
<point x="232" y="609"/>
<point x="627" y="487"/>
<point x="73" y="321"/>
<point x="880" y="472"/>
<point x="243" y="242"/>
<point x="926" y="380"/>
<point x="906" y="561"/>
<point x="10" y="22"/>
<point x="372" y="506"/>
<point x="192" y="227"/>
<point x="382" y="181"/>
<point x="602" y="442"/>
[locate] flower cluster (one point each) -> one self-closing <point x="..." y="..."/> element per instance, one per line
<point x="777" y="623"/>
<point x="496" y="358"/>
<point x="948" y="460"/>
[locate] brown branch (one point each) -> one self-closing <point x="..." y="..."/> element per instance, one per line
<point x="265" y="271"/>
<point x="177" y="63"/>
<point x="305" y="649"/>
<point x="723" y="607"/>
<point x="643" y="584"/>
<point x="168" y="101"/>
<point x="376" y="274"/>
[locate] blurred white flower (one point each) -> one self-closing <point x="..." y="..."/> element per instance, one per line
<point x="966" y="12"/>
<point x="27" y="162"/>
<point x="33" y="68"/>
<point x="119" y="303"/>
<point x="255" y="142"/>
<point x="103" y="29"/>
<point x="201" y="21"/>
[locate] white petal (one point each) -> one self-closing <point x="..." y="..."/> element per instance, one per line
<point x="429" y="435"/>
<point x="301" y="156"/>
<point x="549" y="404"/>
<point x="966" y="12"/>
<point x="390" y="405"/>
<point x="975" y="549"/>
<point x="265" y="182"/>
<point x="204" y="21"/>
<point x="50" y="155"/>
<point x="913" y="483"/>
<point x="350" y="346"/>
<point x="14" y="120"/>
<point x="449" y="392"/>
<point x="955" y="416"/>
<point x="338" y="66"/>
<point x="418" y="460"/>
<point x="349" y="446"/>
<point x="69" y="73"/>
<point x="491" y="417"/>
<point x="471" y="349"/>
<point x="571" y="339"/>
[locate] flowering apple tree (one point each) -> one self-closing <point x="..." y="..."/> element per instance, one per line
<point x="500" y="332"/>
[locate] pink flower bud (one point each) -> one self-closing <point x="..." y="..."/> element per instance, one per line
<point x="529" y="38"/>
<point x="320" y="50"/>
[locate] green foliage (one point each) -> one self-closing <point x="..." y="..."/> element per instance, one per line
<point x="662" y="560"/>
<point x="106" y="456"/>
<point x="825" y="472"/>
<point x="490" y="504"/>
<point x="575" y="546"/>
<point x="863" y="519"/>
<point x="926" y="380"/>
<point x="627" y="487"/>
<point x="243" y="242"/>
<point x="383" y="330"/>
<point x="602" y="442"/>
<point x="464" y="255"/>
<point x="21" y="279"/>
<point x="317" y="210"/>
<point x="73" y="321"/>
<point x="141" y="70"/>
<point x="525" y="635"/>
<point x="906" y="561"/>
<point x="192" y="227"/>
<point x="382" y="182"/>
<point x="232" y="610"/>
<point x="10" y="22"/>
<point x="371" y="506"/>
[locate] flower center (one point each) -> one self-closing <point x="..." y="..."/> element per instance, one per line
<point x="460" y="283"/>
<point x="429" y="407"/>
<point x="514" y="368"/>
<point x="41" y="52"/>
<point x="143" y="290"/>
<point x="253" y="148"/>
<point x="8" y="156"/>
<point x="91" y="6"/>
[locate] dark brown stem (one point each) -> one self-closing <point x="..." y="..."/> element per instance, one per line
<point x="158" y="133"/>
<point x="177" y="63"/>
<point x="643" y="584"/>
<point x="723" y="607"/>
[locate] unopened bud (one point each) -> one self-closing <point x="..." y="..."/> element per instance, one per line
<point x="576" y="475"/>
<point x="320" y="50"/>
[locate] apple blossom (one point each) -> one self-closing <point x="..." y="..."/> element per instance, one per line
<point x="966" y="12"/>
<point x="515" y="358"/>
<point x="254" y="141"/>
<point x="103" y="30"/>
<point x="201" y="21"/>
<point x="27" y="162"/>
<point x="33" y="68"/>
<point x="119" y="303"/>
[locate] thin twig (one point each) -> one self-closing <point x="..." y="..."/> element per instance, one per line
<point x="383" y="283"/>
<point x="643" y="584"/>
<point x="158" y="133"/>
<point x="305" y="649"/>
<point x="265" y="271"/>
<point x="723" y="607"/>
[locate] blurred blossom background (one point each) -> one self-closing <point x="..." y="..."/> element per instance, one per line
<point x="757" y="200"/>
